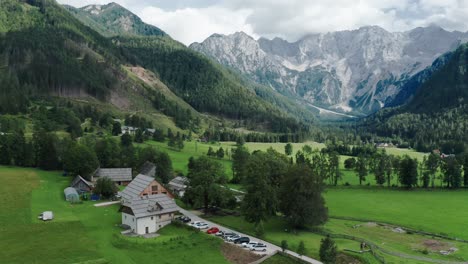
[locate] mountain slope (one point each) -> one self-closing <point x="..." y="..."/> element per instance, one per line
<point x="437" y="116"/>
<point x="45" y="52"/>
<point x="113" y="20"/>
<point x="205" y="85"/>
<point x="360" y="70"/>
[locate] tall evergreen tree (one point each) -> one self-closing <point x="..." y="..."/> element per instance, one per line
<point x="302" y="202"/>
<point x="408" y="172"/>
<point x="328" y="250"/>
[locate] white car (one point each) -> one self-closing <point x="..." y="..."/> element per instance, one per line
<point x="201" y="226"/>
<point x="248" y="245"/>
<point x="258" y="247"/>
<point x="195" y="223"/>
<point x="232" y="238"/>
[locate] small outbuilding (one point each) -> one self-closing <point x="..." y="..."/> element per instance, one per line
<point x="178" y="185"/>
<point x="82" y="185"/>
<point x="71" y="195"/>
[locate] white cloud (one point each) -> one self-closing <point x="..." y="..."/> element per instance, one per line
<point x="196" y="24"/>
<point x="291" y="19"/>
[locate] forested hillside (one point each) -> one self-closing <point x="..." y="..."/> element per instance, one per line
<point x="437" y="117"/>
<point x="203" y="83"/>
<point x="45" y="51"/>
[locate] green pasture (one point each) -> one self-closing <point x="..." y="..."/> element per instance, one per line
<point x="82" y="233"/>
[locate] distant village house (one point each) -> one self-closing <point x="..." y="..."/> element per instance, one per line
<point x="121" y="176"/>
<point x="178" y="185"/>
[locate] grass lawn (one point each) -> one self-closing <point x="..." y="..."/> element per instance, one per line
<point x="191" y="149"/>
<point x="410" y="152"/>
<point x="443" y="212"/>
<point x="252" y="146"/>
<point x="82" y="232"/>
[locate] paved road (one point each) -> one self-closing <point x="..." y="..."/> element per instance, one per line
<point x="271" y="249"/>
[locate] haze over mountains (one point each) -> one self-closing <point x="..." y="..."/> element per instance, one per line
<point x="357" y="71"/>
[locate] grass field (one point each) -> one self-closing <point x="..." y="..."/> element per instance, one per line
<point x="82" y="232"/>
<point x="443" y="212"/>
<point x="191" y="149"/>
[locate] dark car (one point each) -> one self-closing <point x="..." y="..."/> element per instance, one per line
<point x="242" y="240"/>
<point x="184" y="219"/>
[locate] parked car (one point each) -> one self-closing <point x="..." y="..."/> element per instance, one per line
<point x="183" y="219"/>
<point x="220" y="234"/>
<point x="241" y="240"/>
<point x="202" y="226"/>
<point x="212" y="230"/>
<point x="232" y="238"/>
<point x="249" y="244"/>
<point x="228" y="234"/>
<point x="195" y="223"/>
<point x="258" y="247"/>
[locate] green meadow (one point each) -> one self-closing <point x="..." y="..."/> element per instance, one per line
<point x="82" y="233"/>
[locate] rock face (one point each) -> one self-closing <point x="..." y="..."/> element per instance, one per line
<point x="112" y="20"/>
<point x="360" y="70"/>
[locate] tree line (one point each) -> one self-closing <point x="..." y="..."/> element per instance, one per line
<point x="45" y="150"/>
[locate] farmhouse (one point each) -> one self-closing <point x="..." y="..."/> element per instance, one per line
<point x="148" y="169"/>
<point x="141" y="186"/>
<point x="145" y="215"/>
<point x="81" y="185"/>
<point x="121" y="176"/>
<point x="178" y="185"/>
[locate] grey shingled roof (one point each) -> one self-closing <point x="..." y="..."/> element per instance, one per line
<point x="119" y="174"/>
<point x="136" y="187"/>
<point x="150" y="205"/>
<point x="179" y="183"/>
<point x="79" y="178"/>
<point x="147" y="167"/>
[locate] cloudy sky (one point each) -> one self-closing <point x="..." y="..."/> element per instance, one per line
<point x="194" y="20"/>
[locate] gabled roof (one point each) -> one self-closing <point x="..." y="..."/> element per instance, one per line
<point x="151" y="205"/>
<point x="119" y="174"/>
<point x="147" y="167"/>
<point x="78" y="179"/>
<point x="179" y="183"/>
<point x="135" y="187"/>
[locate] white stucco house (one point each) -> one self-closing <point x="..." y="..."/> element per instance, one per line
<point x="147" y="214"/>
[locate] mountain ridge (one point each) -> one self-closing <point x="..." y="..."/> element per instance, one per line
<point x="327" y="69"/>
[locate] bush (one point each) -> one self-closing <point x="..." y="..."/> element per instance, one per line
<point x="105" y="187"/>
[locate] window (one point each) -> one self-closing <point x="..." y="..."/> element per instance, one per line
<point x="170" y="215"/>
<point x="125" y="216"/>
<point x="159" y="217"/>
<point x="154" y="188"/>
<point x="152" y="218"/>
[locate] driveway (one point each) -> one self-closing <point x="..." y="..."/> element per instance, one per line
<point x="271" y="249"/>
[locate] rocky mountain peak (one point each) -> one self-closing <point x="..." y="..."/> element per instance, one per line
<point x="353" y="70"/>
